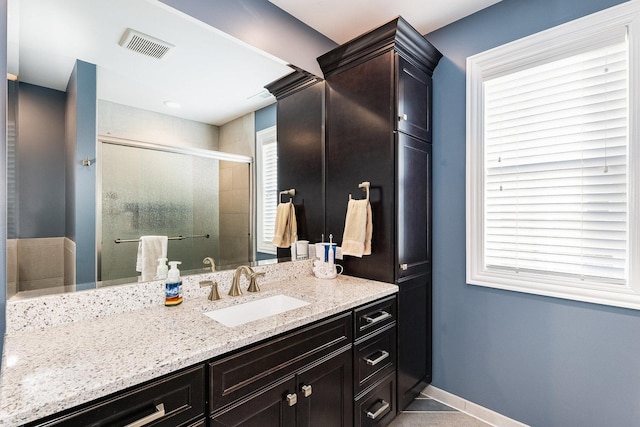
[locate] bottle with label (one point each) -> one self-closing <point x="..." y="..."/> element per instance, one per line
<point x="173" y="285"/>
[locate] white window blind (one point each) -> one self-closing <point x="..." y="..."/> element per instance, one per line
<point x="553" y="161"/>
<point x="267" y="188"/>
<point x="556" y="154"/>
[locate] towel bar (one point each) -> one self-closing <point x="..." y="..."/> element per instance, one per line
<point x="365" y="186"/>
<point x="206" y="236"/>
<point x="291" y="192"/>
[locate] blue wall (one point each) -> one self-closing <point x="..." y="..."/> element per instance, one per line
<point x="266" y="117"/>
<point x="40" y="162"/>
<point x="542" y="361"/>
<point x="81" y="125"/>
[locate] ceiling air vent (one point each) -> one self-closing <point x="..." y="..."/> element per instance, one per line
<point x="145" y="44"/>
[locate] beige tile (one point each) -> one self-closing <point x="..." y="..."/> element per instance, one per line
<point x="241" y="177"/>
<point x="39" y="259"/>
<point x="226" y="178"/>
<point x="436" y="419"/>
<point x="12" y="261"/>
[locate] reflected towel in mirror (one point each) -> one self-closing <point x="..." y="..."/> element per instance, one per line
<point x="358" y="229"/>
<point x="150" y="249"/>
<point x="286" y="228"/>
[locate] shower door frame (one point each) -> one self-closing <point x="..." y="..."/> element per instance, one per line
<point x="212" y="154"/>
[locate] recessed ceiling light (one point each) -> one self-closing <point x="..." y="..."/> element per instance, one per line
<point x="172" y="104"/>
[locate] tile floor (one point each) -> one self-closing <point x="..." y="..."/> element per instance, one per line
<point x="426" y="412"/>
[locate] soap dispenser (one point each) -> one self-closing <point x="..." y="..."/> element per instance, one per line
<point x="162" y="270"/>
<point x="173" y="285"/>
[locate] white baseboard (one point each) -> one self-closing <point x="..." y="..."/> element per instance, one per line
<point x="480" y="412"/>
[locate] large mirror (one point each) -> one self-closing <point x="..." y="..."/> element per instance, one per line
<point x="73" y="206"/>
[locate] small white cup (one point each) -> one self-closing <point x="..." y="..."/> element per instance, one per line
<point x="302" y="249"/>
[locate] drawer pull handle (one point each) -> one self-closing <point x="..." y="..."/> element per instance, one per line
<point x="379" y="359"/>
<point x="306" y="390"/>
<point x="380" y="411"/>
<point x="292" y="399"/>
<point x="382" y="315"/>
<point x="149" y="418"/>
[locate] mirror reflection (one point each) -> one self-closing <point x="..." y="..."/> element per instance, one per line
<point x="146" y="168"/>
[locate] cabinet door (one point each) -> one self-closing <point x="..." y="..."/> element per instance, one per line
<point x="272" y="407"/>
<point x="360" y="147"/>
<point x="301" y="159"/>
<point x="414" y="338"/>
<point x="414" y="206"/>
<point x="414" y="100"/>
<point x="325" y="393"/>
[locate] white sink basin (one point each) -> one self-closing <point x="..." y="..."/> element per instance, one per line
<point x="254" y="310"/>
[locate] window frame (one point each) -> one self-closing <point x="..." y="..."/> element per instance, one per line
<point x="265" y="136"/>
<point x="568" y="39"/>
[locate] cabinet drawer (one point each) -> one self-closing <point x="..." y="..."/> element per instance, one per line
<point x="375" y="316"/>
<point x="180" y="397"/>
<point x="377" y="407"/>
<point x="374" y="357"/>
<point x="249" y="370"/>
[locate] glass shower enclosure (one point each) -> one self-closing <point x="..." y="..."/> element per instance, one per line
<point x="200" y="199"/>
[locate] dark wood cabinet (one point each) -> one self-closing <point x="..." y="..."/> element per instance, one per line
<point x="374" y="363"/>
<point x="300" y="133"/>
<point x="413" y="100"/>
<point x="378" y="129"/>
<point x="312" y="372"/>
<point x="271" y="406"/>
<point x="414" y="340"/>
<point x="175" y="400"/>
<point x="304" y="377"/>
<point x="325" y="392"/>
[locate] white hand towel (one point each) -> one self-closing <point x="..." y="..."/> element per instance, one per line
<point x="358" y="229"/>
<point x="150" y="249"/>
<point x="286" y="228"/>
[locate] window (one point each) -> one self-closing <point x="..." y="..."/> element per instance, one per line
<point x="553" y="162"/>
<point x="267" y="180"/>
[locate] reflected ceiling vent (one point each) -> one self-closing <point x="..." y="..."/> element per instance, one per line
<point x="145" y="44"/>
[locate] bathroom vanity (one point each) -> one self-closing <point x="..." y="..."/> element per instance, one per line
<point x="331" y="361"/>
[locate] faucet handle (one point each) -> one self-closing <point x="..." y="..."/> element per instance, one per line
<point x="214" y="294"/>
<point x="253" y="283"/>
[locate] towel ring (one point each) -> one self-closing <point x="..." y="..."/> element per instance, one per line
<point x="291" y="192"/>
<point x="365" y="186"/>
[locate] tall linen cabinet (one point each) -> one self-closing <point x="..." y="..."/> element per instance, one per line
<point x="378" y="129"/>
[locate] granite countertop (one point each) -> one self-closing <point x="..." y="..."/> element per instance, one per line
<point x="49" y="370"/>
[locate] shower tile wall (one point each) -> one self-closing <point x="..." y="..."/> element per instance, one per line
<point x="39" y="263"/>
<point x="234" y="213"/>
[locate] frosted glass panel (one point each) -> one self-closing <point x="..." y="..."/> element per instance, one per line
<point x="150" y="192"/>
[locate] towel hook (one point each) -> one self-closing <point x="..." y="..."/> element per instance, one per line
<point x="291" y="192"/>
<point x="365" y="185"/>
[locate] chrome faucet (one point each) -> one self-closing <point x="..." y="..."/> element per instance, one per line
<point x="251" y="275"/>
<point x="210" y="261"/>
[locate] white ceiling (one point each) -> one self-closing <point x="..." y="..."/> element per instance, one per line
<point x="343" y="20"/>
<point x="213" y="76"/>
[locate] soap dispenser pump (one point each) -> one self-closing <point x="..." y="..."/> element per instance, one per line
<point x="173" y="285"/>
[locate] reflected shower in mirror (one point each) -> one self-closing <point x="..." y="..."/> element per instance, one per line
<point x="199" y="199"/>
